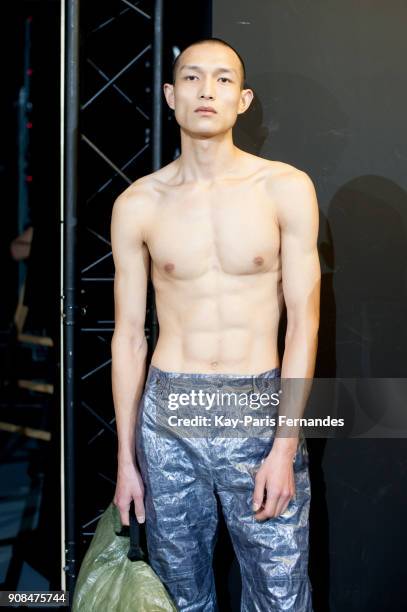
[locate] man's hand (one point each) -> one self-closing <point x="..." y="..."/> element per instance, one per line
<point x="274" y="486"/>
<point x="129" y="486"/>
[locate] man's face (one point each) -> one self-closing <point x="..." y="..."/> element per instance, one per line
<point x="209" y="75"/>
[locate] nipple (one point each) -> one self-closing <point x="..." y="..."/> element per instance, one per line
<point x="169" y="267"/>
<point x="258" y="260"/>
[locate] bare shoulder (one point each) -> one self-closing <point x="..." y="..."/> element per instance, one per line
<point x="136" y="198"/>
<point x="137" y="204"/>
<point x="278" y="176"/>
<point x="281" y="177"/>
<point x="292" y="192"/>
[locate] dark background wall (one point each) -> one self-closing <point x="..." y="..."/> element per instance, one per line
<point x="11" y="46"/>
<point x="43" y="161"/>
<point x="329" y="78"/>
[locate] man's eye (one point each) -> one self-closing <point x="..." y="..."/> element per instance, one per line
<point x="191" y="76"/>
<point x="225" y="79"/>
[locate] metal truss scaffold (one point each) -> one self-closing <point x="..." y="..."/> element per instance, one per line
<point x="111" y="132"/>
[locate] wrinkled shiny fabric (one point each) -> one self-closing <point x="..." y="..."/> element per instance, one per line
<point x="181" y="475"/>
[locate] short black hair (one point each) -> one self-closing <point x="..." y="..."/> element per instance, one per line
<point x="206" y="40"/>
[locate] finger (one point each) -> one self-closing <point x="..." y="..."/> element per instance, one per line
<point x="258" y="493"/>
<point x="269" y="508"/>
<point x="124" y="516"/>
<point x="282" y="505"/>
<point x="139" y="509"/>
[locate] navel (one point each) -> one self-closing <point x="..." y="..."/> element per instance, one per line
<point x="259" y="261"/>
<point x="169" y="267"/>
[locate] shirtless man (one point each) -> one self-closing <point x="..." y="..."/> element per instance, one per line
<point x="230" y="237"/>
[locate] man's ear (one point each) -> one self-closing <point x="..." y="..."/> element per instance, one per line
<point x="246" y="97"/>
<point x="169" y="94"/>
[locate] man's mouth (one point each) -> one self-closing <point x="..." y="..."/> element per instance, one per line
<point x="205" y="109"/>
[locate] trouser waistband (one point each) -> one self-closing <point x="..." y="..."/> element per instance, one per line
<point x="259" y="381"/>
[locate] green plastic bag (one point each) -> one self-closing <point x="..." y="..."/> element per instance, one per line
<point x="113" y="577"/>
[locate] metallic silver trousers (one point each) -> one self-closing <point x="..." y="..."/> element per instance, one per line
<point x="181" y="475"/>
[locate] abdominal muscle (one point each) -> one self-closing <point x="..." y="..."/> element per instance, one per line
<point x="231" y="330"/>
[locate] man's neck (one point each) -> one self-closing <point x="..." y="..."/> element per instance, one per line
<point x="206" y="159"/>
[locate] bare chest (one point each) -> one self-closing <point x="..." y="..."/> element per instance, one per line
<point x="231" y="230"/>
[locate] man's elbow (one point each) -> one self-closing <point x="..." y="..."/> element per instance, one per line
<point x="305" y="324"/>
<point x="133" y="339"/>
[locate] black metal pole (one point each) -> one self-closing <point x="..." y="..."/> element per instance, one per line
<point x="157" y="84"/>
<point x="157" y="122"/>
<point x="69" y="298"/>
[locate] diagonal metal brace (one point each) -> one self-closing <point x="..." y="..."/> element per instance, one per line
<point x="114" y="79"/>
<point x="106" y="159"/>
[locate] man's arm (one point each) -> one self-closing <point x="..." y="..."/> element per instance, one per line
<point x="129" y="345"/>
<point x="298" y="217"/>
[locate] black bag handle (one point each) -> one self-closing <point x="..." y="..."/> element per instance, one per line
<point x="135" y="553"/>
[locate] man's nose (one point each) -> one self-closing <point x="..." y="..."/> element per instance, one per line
<point x="207" y="91"/>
